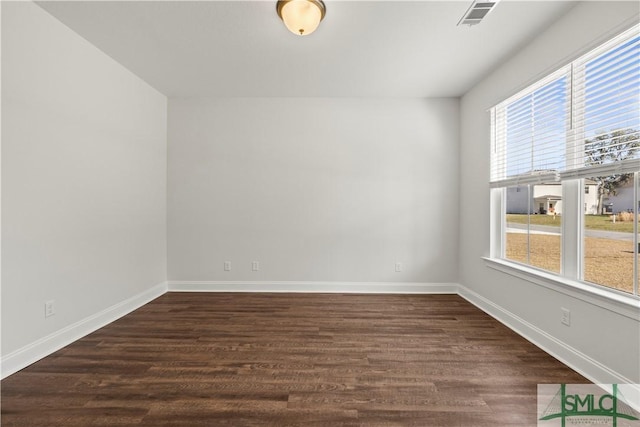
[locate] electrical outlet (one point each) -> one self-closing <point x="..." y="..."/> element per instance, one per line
<point x="49" y="308"/>
<point x="398" y="267"/>
<point x="227" y="266"/>
<point x="255" y="265"/>
<point x="565" y="318"/>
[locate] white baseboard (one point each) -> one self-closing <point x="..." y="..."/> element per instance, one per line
<point x="578" y="361"/>
<point x="25" y="356"/>
<point x="313" y="287"/>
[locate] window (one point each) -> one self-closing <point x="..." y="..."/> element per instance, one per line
<point x="565" y="170"/>
<point x="608" y="239"/>
<point x="533" y="226"/>
<point x="529" y="132"/>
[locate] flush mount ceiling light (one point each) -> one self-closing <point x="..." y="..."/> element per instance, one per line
<point x="301" y="16"/>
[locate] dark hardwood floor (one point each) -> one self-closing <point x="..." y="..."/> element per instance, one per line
<point x="211" y="359"/>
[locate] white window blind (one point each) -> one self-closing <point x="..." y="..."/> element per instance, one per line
<point x="581" y="121"/>
<point x="530" y="131"/>
<point x="607" y="109"/>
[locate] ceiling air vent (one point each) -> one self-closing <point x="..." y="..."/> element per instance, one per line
<point x="476" y="12"/>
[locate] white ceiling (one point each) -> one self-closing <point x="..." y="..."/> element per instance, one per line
<point x="361" y="49"/>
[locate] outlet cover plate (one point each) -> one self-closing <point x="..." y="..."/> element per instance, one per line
<point x="49" y="308"/>
<point x="565" y="318"/>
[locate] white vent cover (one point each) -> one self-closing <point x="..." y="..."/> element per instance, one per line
<point x="476" y="12"/>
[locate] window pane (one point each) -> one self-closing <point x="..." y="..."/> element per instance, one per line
<point x="544" y="228"/>
<point x="608" y="233"/>
<point x="517" y="221"/>
<point x="535" y="130"/>
<point x="533" y="219"/>
<point x="611" y="105"/>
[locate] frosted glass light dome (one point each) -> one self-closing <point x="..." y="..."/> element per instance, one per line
<point x="301" y="17"/>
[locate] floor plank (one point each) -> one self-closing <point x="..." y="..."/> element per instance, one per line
<point x="217" y="359"/>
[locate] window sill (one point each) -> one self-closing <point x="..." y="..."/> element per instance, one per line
<point x="626" y="305"/>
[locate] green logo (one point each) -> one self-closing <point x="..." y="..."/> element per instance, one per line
<point x="593" y="406"/>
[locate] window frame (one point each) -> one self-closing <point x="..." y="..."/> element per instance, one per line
<point x="570" y="280"/>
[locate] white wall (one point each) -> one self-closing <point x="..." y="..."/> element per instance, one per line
<point x="596" y="333"/>
<point x="83" y="180"/>
<point x="315" y="189"/>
